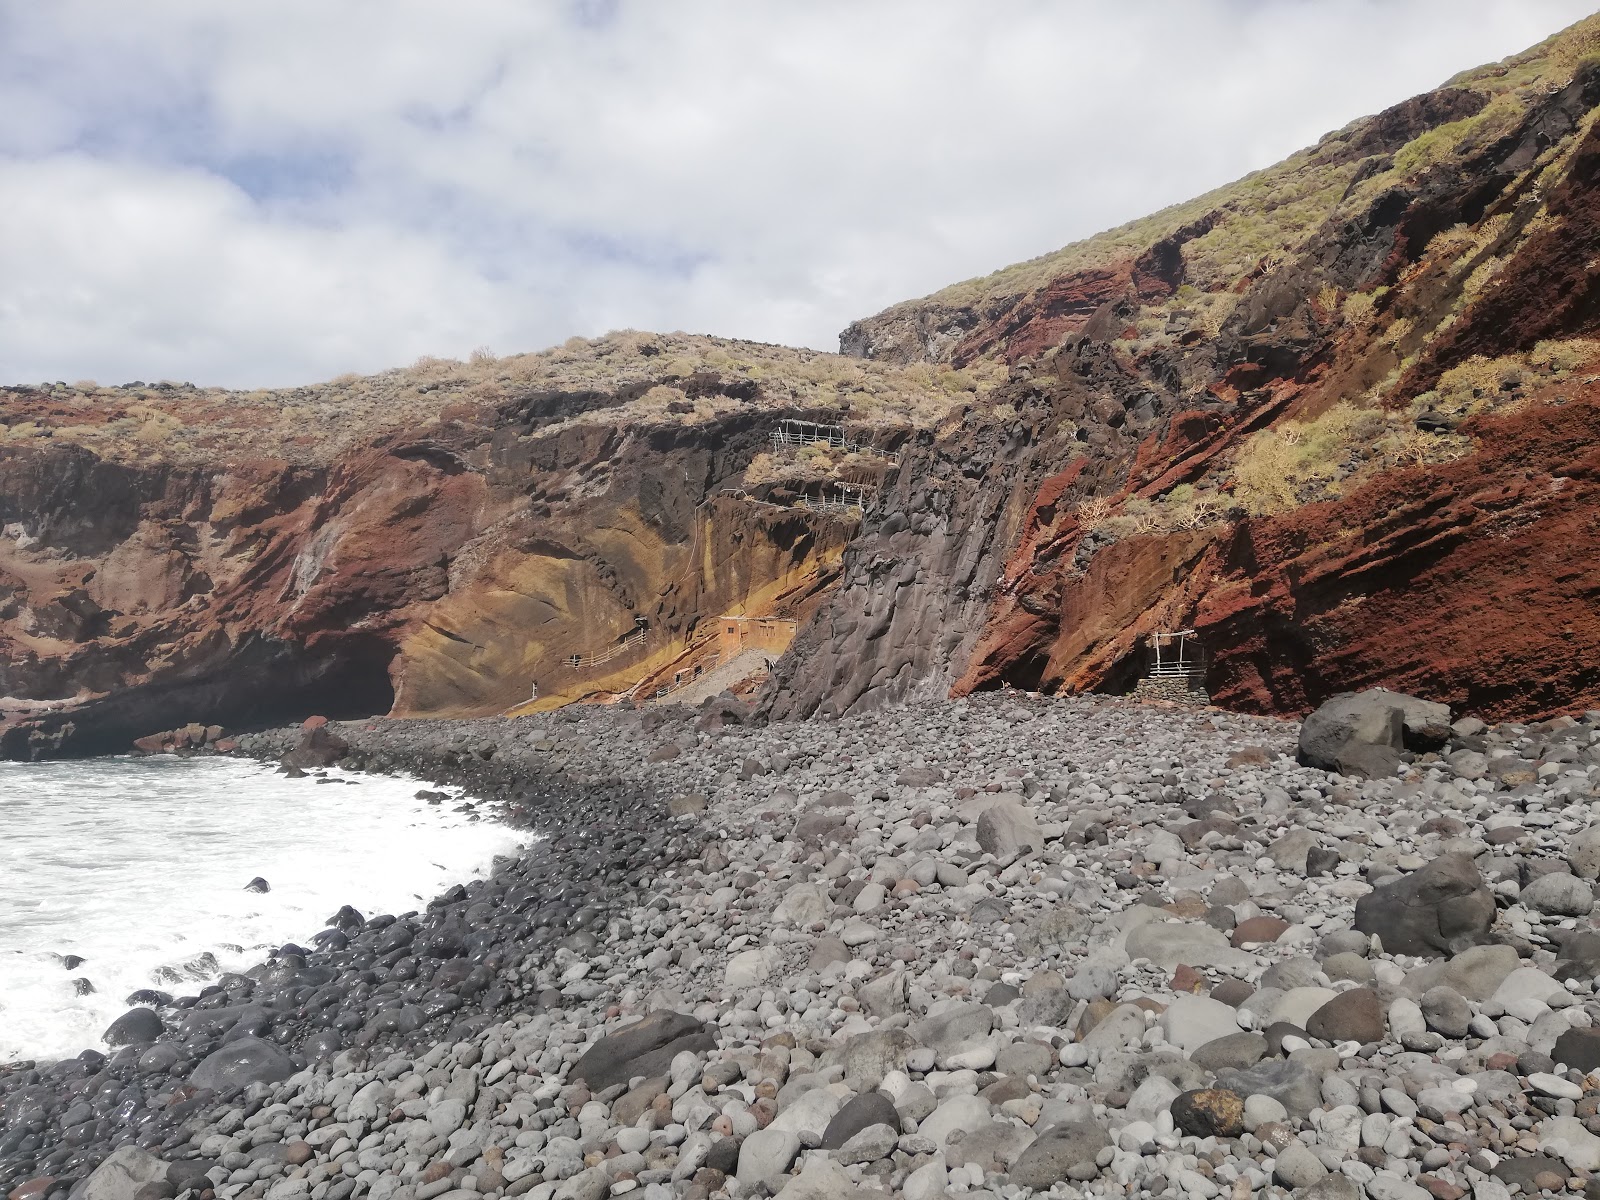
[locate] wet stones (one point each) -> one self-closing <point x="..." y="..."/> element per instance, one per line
<point x="137" y="1026"/>
<point x="240" y="1063"/>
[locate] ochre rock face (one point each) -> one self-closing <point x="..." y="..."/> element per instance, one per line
<point x="443" y="575"/>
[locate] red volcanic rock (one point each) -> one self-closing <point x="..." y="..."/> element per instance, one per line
<point x="1479" y="581"/>
<point x="1064" y="306"/>
<point x="1474" y="582"/>
<point x="311" y="723"/>
<point x="384" y="574"/>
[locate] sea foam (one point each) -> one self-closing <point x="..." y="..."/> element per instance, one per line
<point x="139" y="867"/>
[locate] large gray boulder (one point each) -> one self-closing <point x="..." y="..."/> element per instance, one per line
<point x="1362" y="733"/>
<point x="1441" y="909"/>
<point x="1005" y="829"/>
<point x="241" y="1063"/>
<point x="645" y="1048"/>
<point x="1065" y="1151"/>
<point x="121" y="1175"/>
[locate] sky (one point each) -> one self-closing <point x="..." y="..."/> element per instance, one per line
<point x="254" y="195"/>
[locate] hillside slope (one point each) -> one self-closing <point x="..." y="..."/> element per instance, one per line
<point x="1338" y="417"/>
<point x="1341" y="418"/>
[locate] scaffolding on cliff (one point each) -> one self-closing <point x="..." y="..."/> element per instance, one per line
<point x="811" y="433"/>
<point x="639" y="637"/>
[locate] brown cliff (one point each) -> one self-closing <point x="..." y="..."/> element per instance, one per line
<point x="1339" y="417"/>
<point x="455" y="539"/>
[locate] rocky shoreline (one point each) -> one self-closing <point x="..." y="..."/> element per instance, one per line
<point x="980" y="947"/>
<point x="373" y="983"/>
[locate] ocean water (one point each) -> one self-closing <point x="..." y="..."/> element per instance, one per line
<point x="139" y="866"/>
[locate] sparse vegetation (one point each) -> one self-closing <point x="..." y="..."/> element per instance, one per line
<point x="1484" y="385"/>
<point x="310" y="424"/>
<point x="1260" y="220"/>
<point x="1297" y="463"/>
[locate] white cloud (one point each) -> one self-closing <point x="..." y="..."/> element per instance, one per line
<point x="268" y="194"/>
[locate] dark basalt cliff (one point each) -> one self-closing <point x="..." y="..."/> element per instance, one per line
<point x="1339" y="418"/>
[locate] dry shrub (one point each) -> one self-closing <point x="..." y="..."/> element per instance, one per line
<point x="1281" y="468"/>
<point x="1093" y="513"/>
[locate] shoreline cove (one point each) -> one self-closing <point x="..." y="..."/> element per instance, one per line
<point x="1103" y="942"/>
<point x="130" y="874"/>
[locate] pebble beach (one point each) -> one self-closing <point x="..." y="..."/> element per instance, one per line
<point x="992" y="947"/>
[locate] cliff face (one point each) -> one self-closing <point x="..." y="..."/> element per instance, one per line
<point x="444" y="558"/>
<point x="1339" y="419"/>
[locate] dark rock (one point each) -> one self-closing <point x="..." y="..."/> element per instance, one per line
<point x="1258" y="929"/>
<point x="1578" y="957"/>
<point x="646" y="1047"/>
<point x="258" y="884"/>
<point x="136" y="1027"/>
<point x="241" y="1063"/>
<point x="190" y="1173"/>
<point x="1232" y="992"/>
<point x="1277" y="1031"/>
<point x="1579" y="1049"/>
<point x="1321" y="860"/>
<point x="1525" y="1170"/>
<point x="1439" y="910"/>
<point x="1209" y="1112"/>
<point x="869" y="1108"/>
<point x="723" y="1156"/>
<point x="1352" y="1016"/>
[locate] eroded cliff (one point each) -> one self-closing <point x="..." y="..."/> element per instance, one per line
<point x="442" y="540"/>
<point x="1339" y="418"/>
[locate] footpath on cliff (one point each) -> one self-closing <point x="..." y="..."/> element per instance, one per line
<point x="1082" y="946"/>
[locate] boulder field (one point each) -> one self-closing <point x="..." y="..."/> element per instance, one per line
<point x="991" y="947"/>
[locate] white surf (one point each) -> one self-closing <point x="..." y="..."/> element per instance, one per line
<point x="139" y="867"/>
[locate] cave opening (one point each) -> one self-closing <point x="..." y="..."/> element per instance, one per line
<point x="263" y="683"/>
<point x="1026" y="672"/>
<point x="350" y="683"/>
